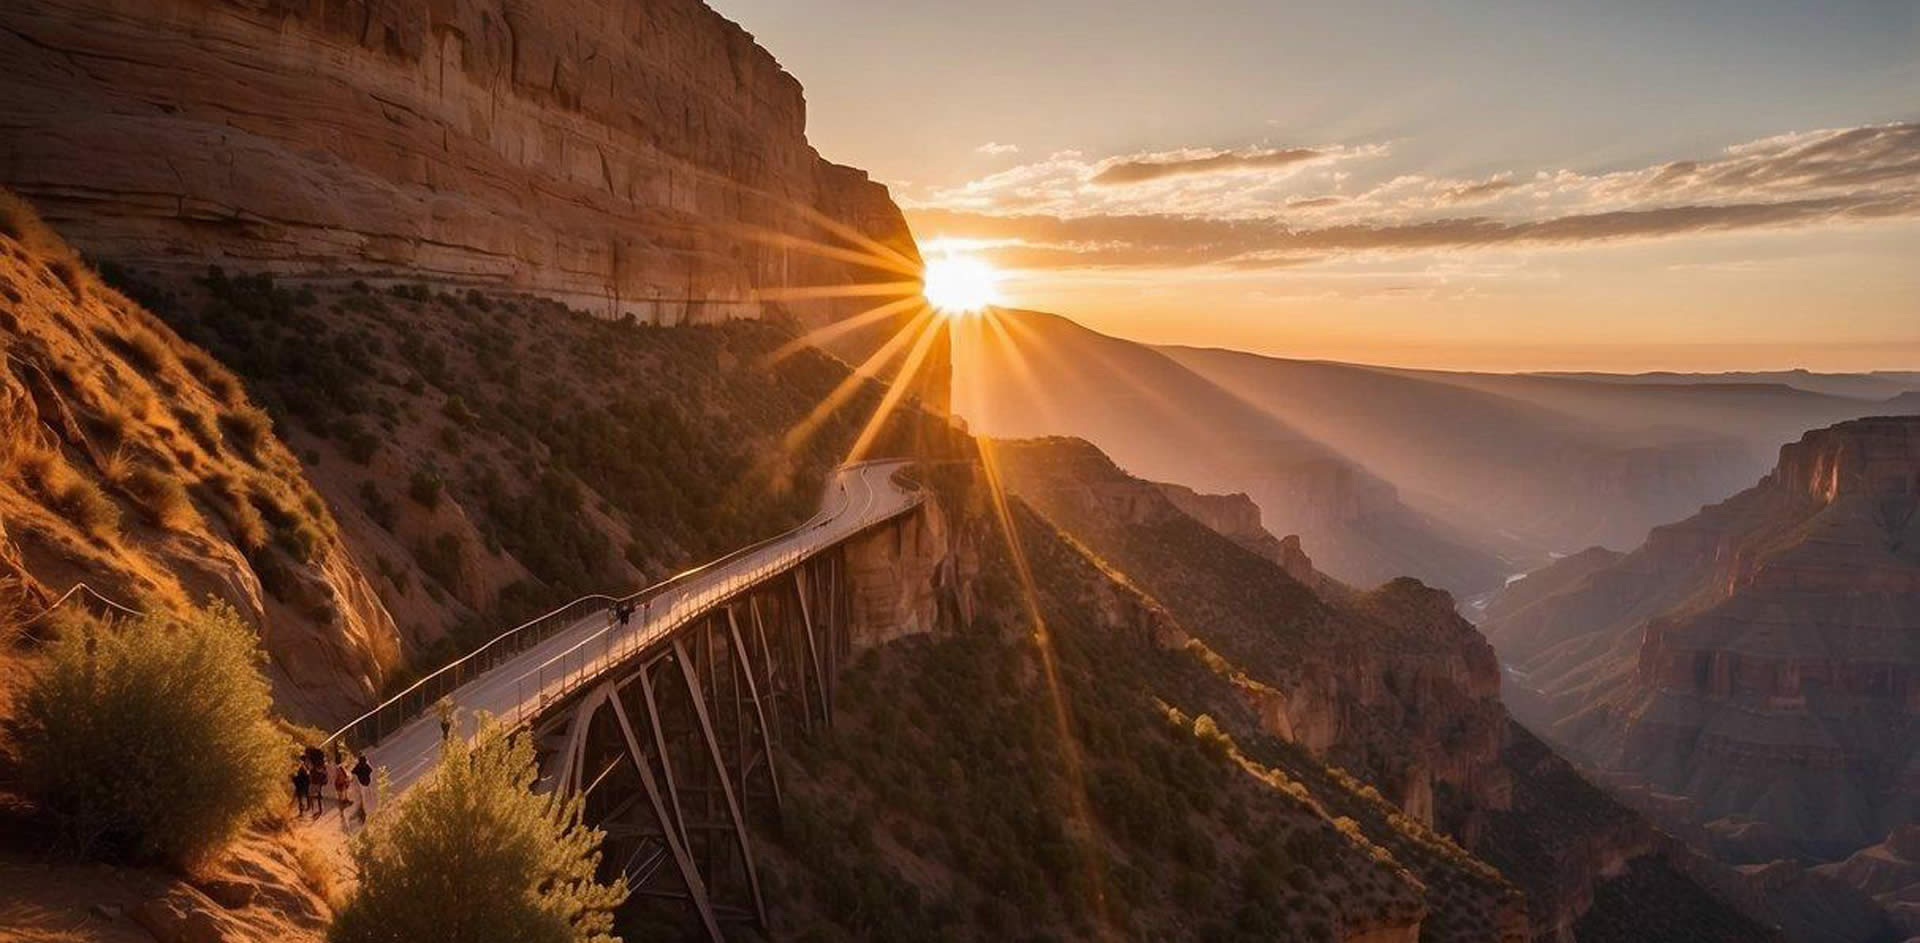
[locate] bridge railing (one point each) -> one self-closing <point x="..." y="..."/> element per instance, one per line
<point x="678" y="603"/>
<point x="680" y="598"/>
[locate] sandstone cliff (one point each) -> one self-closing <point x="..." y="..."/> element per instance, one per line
<point x="1762" y="658"/>
<point x="629" y="158"/>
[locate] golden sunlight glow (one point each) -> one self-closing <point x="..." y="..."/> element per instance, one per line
<point x="960" y="284"/>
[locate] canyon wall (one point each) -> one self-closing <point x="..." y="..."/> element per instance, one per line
<point x="1390" y="684"/>
<point x="1760" y="659"/>
<point x="627" y="157"/>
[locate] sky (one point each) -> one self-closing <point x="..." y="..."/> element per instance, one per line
<point x="1473" y="184"/>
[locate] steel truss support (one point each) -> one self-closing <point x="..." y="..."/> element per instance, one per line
<point x="720" y="776"/>
<point x="676" y="842"/>
<point x="800" y="584"/>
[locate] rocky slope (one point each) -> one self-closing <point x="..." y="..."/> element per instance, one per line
<point x="643" y="158"/>
<point x="493" y="457"/>
<point x="1760" y="659"/>
<point x="132" y="462"/>
<point x="1390" y="684"/>
<point x="1081" y="782"/>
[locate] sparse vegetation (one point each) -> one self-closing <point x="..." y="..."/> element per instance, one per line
<point x="150" y="738"/>
<point x="474" y="854"/>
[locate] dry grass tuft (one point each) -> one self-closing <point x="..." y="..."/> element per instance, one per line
<point x="161" y="494"/>
<point x="18" y="221"/>
<point x="86" y="507"/>
<point x="315" y="870"/>
<point x="248" y="427"/>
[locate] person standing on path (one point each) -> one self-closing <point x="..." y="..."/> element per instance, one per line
<point x="445" y="708"/>
<point x="341" y="782"/>
<point x="363" y="785"/>
<point x="301" y="780"/>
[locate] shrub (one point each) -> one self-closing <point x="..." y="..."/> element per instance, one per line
<point x="475" y="854"/>
<point x="378" y="507"/>
<point x="424" y="488"/>
<point x="132" y="758"/>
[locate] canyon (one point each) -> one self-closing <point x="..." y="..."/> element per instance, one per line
<point x="1390" y="685"/>
<point x="443" y="312"/>
<point x="1747" y="674"/>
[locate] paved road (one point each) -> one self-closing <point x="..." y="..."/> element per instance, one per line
<point x="857" y="497"/>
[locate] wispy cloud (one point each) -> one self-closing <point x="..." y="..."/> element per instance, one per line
<point x="1246" y="209"/>
<point x="1184" y="163"/>
<point x="996" y="149"/>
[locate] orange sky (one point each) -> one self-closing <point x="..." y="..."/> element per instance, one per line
<point x="1489" y="184"/>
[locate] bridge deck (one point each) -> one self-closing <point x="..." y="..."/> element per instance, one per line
<point x="517" y="690"/>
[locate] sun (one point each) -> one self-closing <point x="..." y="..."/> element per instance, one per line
<point x="958" y="285"/>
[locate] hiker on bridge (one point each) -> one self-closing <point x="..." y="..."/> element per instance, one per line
<point x="301" y="780"/>
<point x="341" y="781"/>
<point x="363" y="785"/>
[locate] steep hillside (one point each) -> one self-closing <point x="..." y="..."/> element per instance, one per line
<point x="1390" y="685"/>
<point x="1759" y="658"/>
<point x="948" y="805"/>
<point x="133" y="462"/>
<point x="1023" y="374"/>
<point x="1550" y="480"/>
<point x="643" y="158"/>
<point x="494" y="457"/>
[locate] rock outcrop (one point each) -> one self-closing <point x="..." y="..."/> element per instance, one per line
<point x="1762" y="658"/>
<point x="627" y="158"/>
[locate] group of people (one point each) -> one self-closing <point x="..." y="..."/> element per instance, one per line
<point x="312" y="775"/>
<point x="623" y="613"/>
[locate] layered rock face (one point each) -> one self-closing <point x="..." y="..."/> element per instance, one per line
<point x="1761" y="658"/>
<point x="909" y="578"/>
<point x="640" y="158"/>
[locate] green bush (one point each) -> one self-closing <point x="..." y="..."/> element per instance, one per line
<point x="474" y="854"/>
<point x="150" y="738"/>
<point x="424" y="488"/>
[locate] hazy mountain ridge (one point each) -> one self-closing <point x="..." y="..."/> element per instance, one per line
<point x="1534" y="476"/>
<point x="1034" y="374"/>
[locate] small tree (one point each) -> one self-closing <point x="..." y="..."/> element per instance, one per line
<point x="472" y="853"/>
<point x="150" y="737"/>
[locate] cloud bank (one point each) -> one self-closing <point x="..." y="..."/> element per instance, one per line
<point x="1263" y="208"/>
